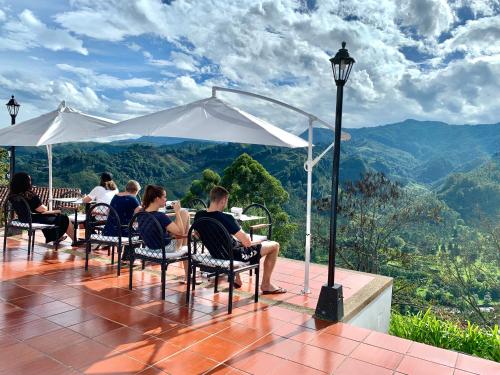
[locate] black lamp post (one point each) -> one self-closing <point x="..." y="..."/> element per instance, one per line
<point x="331" y="301"/>
<point x="13" y="108"/>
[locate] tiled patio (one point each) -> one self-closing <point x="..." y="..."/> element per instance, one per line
<point x="55" y="318"/>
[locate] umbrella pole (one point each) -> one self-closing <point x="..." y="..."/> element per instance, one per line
<point x="49" y="157"/>
<point x="306" y="289"/>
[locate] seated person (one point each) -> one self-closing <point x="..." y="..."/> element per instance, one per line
<point x="155" y="197"/>
<point x="21" y="184"/>
<point x="104" y="192"/>
<point x="126" y="205"/>
<point x="244" y="249"/>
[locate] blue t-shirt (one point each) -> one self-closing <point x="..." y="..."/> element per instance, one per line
<point x="124" y="206"/>
<point x="149" y="232"/>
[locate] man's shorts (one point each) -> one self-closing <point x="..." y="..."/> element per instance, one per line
<point x="247" y="254"/>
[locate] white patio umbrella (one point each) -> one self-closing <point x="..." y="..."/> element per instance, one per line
<point x="208" y="119"/>
<point x="63" y="125"/>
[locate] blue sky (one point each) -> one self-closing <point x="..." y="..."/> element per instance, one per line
<point x="423" y="59"/>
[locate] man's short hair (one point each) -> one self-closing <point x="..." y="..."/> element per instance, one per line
<point x="132" y="186"/>
<point x="218" y="193"/>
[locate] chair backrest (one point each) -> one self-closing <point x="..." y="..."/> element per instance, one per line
<point x="213" y="235"/>
<point x="100" y="216"/>
<point x="257" y="209"/>
<point x="197" y="204"/>
<point x="145" y="227"/>
<point x="17" y="203"/>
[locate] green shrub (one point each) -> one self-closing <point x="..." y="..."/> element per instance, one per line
<point x="427" y="328"/>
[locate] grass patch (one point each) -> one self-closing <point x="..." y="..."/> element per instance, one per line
<point x="427" y="328"/>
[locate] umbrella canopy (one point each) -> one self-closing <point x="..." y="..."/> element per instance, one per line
<point x="208" y="119"/>
<point x="65" y="124"/>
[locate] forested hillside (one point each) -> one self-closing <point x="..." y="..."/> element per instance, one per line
<point x="433" y="188"/>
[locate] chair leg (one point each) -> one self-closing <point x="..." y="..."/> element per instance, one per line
<point x="251" y="273"/>
<point x="256" y="297"/>
<point x="88" y="247"/>
<point x="119" y="251"/>
<point x="131" y="270"/>
<point x="33" y="242"/>
<point x="163" y="280"/>
<point x="231" y="286"/>
<point x="29" y="243"/>
<point x="193" y="279"/>
<point x="216" y="283"/>
<point x="5" y="230"/>
<point x="143" y="264"/>
<point x="188" y="281"/>
<point x="112" y="254"/>
<point x="193" y="282"/>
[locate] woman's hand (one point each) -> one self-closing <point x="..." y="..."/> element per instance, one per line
<point x="176" y="205"/>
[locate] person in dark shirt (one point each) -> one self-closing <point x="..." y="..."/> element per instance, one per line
<point x="174" y="231"/>
<point x="21" y="185"/>
<point x="126" y="205"/>
<point x="243" y="248"/>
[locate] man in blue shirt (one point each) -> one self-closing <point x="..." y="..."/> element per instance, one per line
<point x="244" y="249"/>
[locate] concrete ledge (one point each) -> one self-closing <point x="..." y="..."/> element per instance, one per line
<point x="368" y="293"/>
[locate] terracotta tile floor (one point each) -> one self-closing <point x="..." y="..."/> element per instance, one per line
<point x="55" y="318"/>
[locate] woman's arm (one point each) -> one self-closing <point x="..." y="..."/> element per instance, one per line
<point x="87" y="199"/>
<point x="42" y="209"/>
<point x="91" y="196"/>
<point x="175" y="229"/>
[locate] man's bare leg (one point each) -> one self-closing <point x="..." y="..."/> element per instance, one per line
<point x="70" y="231"/>
<point x="269" y="251"/>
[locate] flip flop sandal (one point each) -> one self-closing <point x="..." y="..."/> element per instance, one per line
<point x="280" y="290"/>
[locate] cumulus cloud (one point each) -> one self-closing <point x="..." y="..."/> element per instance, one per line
<point x="476" y="38"/>
<point x="430" y="18"/>
<point x="27" y="31"/>
<point x="89" y="77"/>
<point x="410" y="56"/>
<point x="46" y="94"/>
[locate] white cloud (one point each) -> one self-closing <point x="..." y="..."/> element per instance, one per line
<point x="177" y="60"/>
<point x="27" y="31"/>
<point x="47" y="94"/>
<point x="475" y="38"/>
<point x="429" y="17"/>
<point x="89" y="77"/>
<point x="268" y="47"/>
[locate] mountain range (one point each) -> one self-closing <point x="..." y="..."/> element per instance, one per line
<point x="422" y="152"/>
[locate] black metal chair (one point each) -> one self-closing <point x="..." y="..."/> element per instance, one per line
<point x="102" y="217"/>
<point x="17" y="214"/>
<point x="145" y="229"/>
<point x="210" y="234"/>
<point x="264" y="225"/>
<point x="72" y="210"/>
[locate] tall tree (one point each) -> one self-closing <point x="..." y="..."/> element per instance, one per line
<point x="201" y="188"/>
<point x="4" y="166"/>
<point x="249" y="182"/>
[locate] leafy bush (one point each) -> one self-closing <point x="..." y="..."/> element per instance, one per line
<point x="427" y="328"/>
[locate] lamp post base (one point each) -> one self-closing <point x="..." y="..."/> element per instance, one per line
<point x="330" y="303"/>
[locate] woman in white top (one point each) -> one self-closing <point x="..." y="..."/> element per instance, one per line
<point x="104" y="192"/>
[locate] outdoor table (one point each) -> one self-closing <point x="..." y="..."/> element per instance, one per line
<point x="75" y="201"/>
<point x="245" y="218"/>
